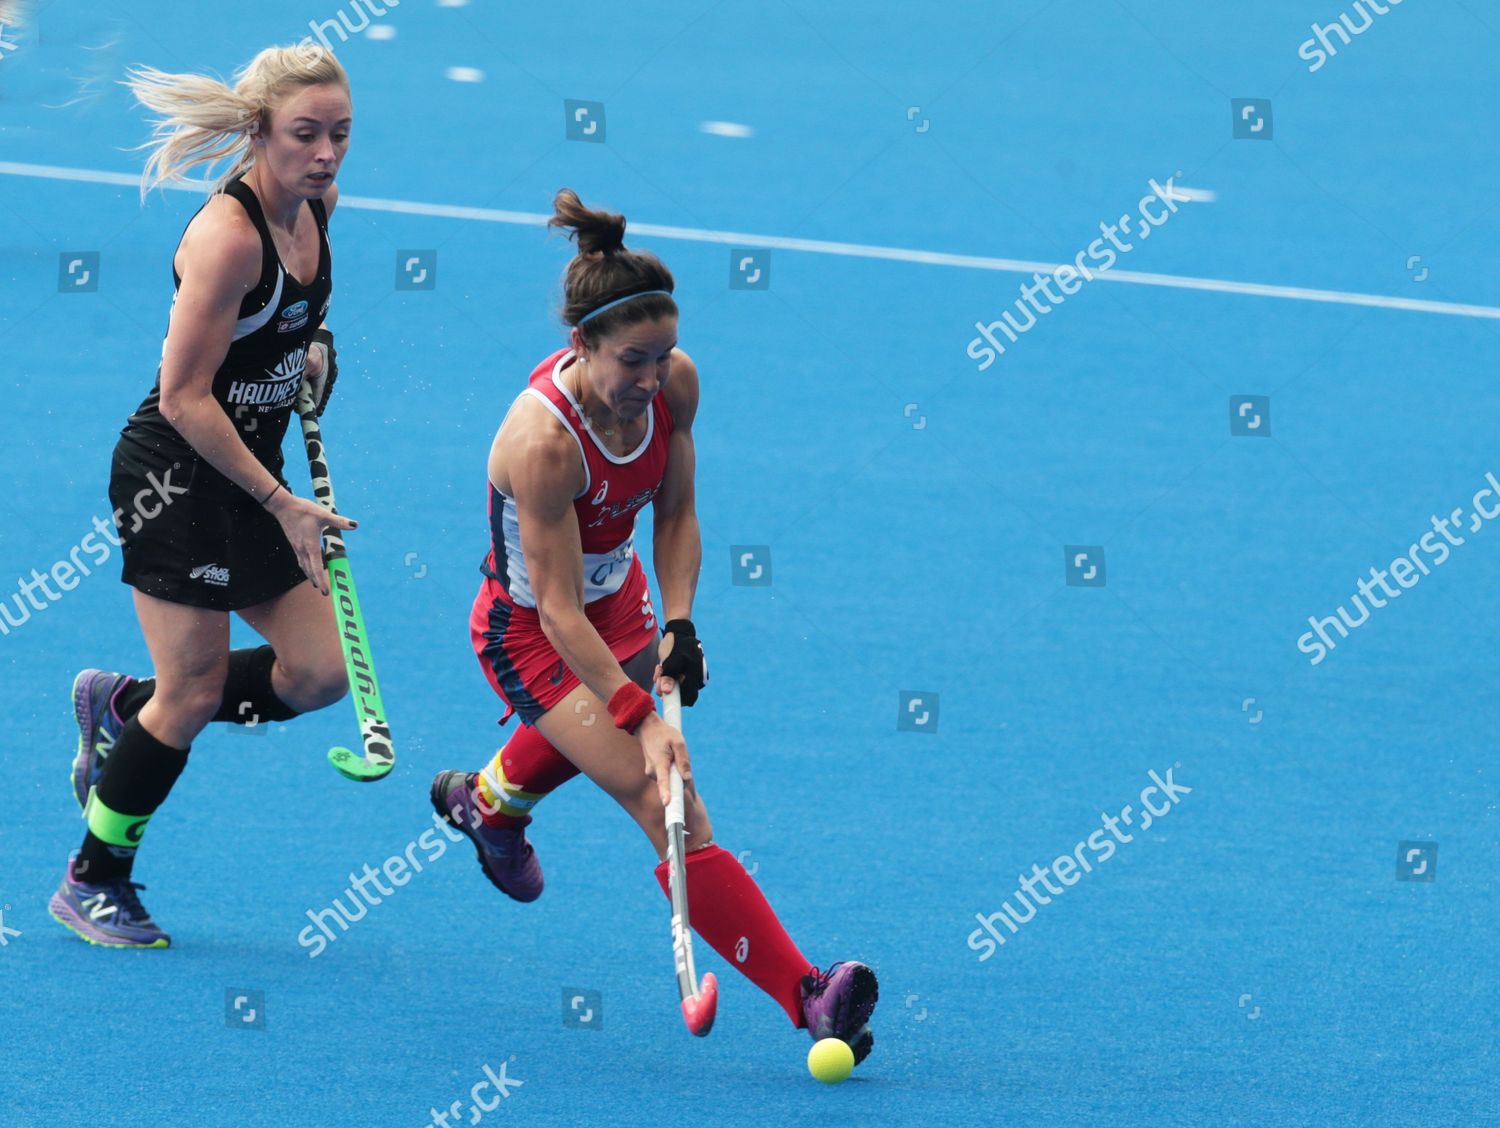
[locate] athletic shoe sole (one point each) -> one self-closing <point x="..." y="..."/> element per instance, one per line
<point x="83" y="714"/>
<point x="849" y="1021"/>
<point x="862" y="1043"/>
<point x="64" y="914"/>
<point x="864" y="993"/>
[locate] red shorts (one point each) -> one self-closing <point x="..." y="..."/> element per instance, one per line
<point x="520" y="662"/>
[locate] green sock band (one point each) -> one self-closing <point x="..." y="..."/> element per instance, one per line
<point x="113" y="827"/>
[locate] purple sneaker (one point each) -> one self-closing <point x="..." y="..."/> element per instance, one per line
<point x="837" y="1003"/>
<point x="109" y="914"/>
<point x="506" y="857"/>
<point x="99" y="726"/>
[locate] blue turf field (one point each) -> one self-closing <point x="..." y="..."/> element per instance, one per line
<point x="1251" y="959"/>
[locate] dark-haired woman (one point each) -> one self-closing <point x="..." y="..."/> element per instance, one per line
<point x="564" y="625"/>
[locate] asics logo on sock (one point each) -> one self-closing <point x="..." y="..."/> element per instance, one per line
<point x="134" y="831"/>
<point x="742" y="949"/>
<point x="98" y="906"/>
<point x="210" y="574"/>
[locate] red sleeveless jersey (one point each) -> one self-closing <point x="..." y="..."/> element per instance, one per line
<point x="614" y="491"/>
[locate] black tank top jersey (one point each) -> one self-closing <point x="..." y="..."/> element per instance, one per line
<point x="258" y="382"/>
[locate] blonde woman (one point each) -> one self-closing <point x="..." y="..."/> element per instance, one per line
<point x="207" y="522"/>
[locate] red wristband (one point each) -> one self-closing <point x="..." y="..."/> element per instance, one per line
<point x="629" y="706"/>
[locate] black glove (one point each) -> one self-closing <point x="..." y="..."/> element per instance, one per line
<point x="322" y="387"/>
<point x="686" y="665"/>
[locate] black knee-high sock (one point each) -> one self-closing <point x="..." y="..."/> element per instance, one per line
<point x="249" y="697"/>
<point x="136" y="780"/>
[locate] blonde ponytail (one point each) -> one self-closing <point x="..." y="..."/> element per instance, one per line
<point x="205" y="121"/>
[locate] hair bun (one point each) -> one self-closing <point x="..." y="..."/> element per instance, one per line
<point x="604" y="270"/>
<point x="594" y="231"/>
<point x="605" y="236"/>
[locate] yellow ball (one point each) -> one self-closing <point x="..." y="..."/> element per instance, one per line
<point x="830" y="1060"/>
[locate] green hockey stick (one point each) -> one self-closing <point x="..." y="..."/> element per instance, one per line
<point x="364" y="688"/>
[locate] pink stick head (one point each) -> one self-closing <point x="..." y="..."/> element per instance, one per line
<point x="698" y="1011"/>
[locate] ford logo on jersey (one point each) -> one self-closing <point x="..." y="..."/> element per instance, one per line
<point x="293" y="317"/>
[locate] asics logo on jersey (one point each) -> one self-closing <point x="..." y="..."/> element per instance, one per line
<point x="293" y="317"/>
<point x="210" y="574"/>
<point x="742" y="949"/>
<point x="598" y="498"/>
<point x="620" y="509"/>
<point x="98" y="906"/>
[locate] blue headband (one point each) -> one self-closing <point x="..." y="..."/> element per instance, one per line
<point x="617" y="301"/>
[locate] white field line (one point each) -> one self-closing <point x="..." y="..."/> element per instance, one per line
<point x="825" y="247"/>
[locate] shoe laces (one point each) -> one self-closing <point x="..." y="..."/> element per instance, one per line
<point x="504" y="842"/>
<point x="816" y="982"/>
<point x="123" y="894"/>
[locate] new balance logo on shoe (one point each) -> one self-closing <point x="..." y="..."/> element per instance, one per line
<point x="98" y="906"/>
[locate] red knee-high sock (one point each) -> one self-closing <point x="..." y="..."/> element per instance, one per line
<point x="730" y="912"/>
<point x="520" y="776"/>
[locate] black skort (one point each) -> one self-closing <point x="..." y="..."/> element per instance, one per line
<point x="189" y="535"/>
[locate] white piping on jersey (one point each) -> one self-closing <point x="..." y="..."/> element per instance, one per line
<point x="588" y="478"/>
<point x="604" y="573"/>
<point x="650" y="418"/>
<point x="245" y="325"/>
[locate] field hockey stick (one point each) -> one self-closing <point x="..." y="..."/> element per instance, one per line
<point x="364" y="689"/>
<point x="699" y="1002"/>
